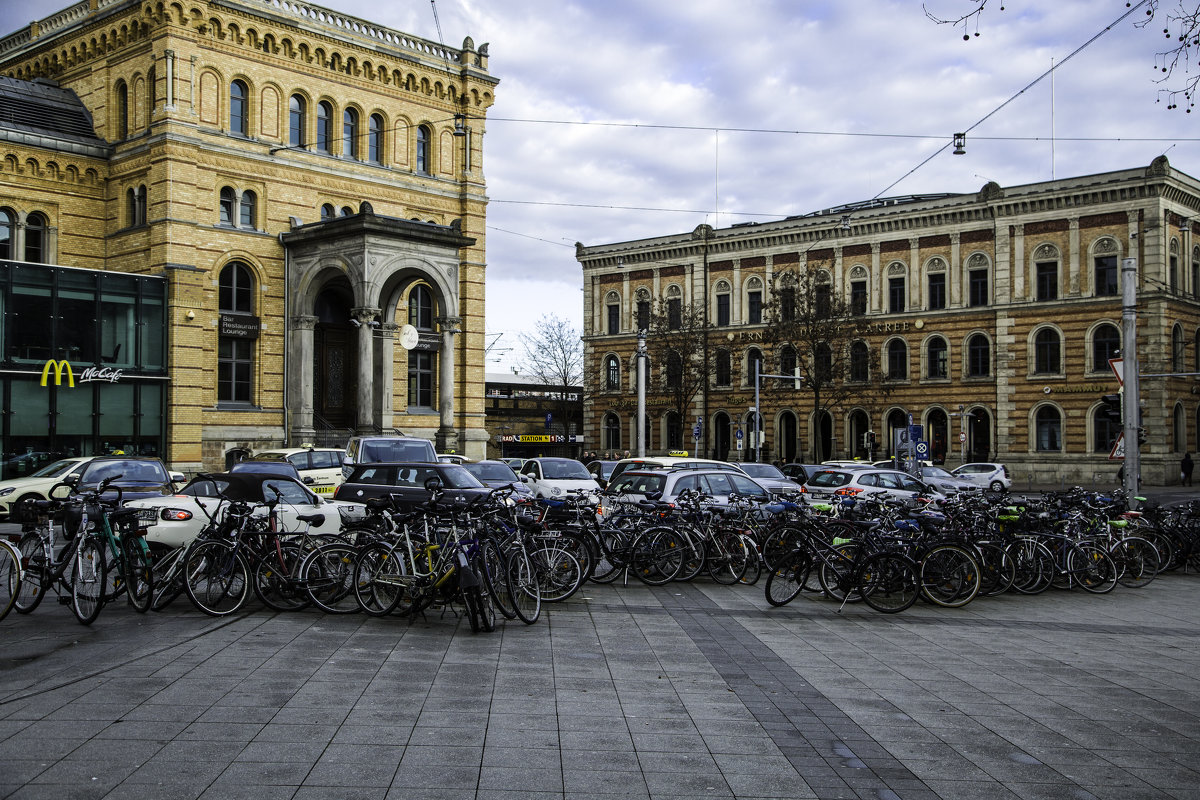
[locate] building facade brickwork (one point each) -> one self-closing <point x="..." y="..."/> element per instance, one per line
<point x="309" y="183"/>
<point x="992" y="318"/>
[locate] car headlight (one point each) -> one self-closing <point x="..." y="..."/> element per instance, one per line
<point x="555" y="490"/>
<point x="175" y="514"/>
<point x="6" y="491"/>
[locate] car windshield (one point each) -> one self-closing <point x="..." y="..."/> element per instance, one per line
<point x="935" y="472"/>
<point x="763" y="471"/>
<point x="829" y="478"/>
<point x="54" y="470"/>
<point x="564" y="469"/>
<point x="394" y="450"/>
<point x="638" y="484"/>
<point x="123" y="472"/>
<point x="457" y="477"/>
<point x="491" y="472"/>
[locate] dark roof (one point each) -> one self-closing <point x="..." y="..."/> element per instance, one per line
<point x="42" y="108"/>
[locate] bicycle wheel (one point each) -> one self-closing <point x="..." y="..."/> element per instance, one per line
<point x="559" y="573"/>
<point x="10" y="577"/>
<point x="996" y="569"/>
<point x="494" y="567"/>
<point x="950" y="576"/>
<point x="835" y="573"/>
<point x="754" y="564"/>
<point x="139" y="572"/>
<point x="216" y="578"/>
<point x="726" y="558"/>
<point x="277" y="581"/>
<point x="523" y="587"/>
<point x="656" y="556"/>
<point x="35" y="579"/>
<point x="1091" y="568"/>
<point x="1034" y="564"/>
<point x="779" y="544"/>
<point x="168" y="578"/>
<point x="327" y="575"/>
<point x="483" y="592"/>
<point x="889" y="582"/>
<point x="786" y="580"/>
<point x="1136" y="559"/>
<point x="87" y="581"/>
<point x="380" y="579"/>
<point x="692" y="557"/>
<point x="608" y="566"/>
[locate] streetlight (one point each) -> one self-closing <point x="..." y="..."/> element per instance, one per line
<point x="963" y="416"/>
<point x="757" y="432"/>
<point x="641" y="393"/>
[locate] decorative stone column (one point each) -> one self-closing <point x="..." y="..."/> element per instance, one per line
<point x="447" y="436"/>
<point x="300" y="377"/>
<point x="367" y="319"/>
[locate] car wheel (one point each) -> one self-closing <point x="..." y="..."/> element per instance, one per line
<point x="996" y="486"/>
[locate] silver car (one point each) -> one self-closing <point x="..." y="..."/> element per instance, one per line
<point x="837" y="482"/>
<point x="667" y="485"/>
<point x="993" y="476"/>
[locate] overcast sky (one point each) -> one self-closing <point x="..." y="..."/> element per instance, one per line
<point x="730" y="112"/>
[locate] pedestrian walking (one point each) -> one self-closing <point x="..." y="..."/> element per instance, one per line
<point x="1185" y="470"/>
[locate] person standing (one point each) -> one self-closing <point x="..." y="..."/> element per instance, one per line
<point x="1185" y="470"/>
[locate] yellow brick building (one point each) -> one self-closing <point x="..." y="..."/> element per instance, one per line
<point x="309" y="184"/>
<point x="992" y="318"/>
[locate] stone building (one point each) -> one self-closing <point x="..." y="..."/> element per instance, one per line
<point x="306" y="183"/>
<point x="993" y="317"/>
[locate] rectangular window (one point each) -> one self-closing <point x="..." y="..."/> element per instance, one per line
<point x="643" y="315"/>
<point x="722" y="310"/>
<point x="235" y="362"/>
<point x="755" y="311"/>
<point x="896" y="295"/>
<point x="821" y="301"/>
<point x="675" y="314"/>
<point x="614" y="320"/>
<point x="977" y="287"/>
<point x="858" y="298"/>
<point x="118" y="320"/>
<point x="937" y="290"/>
<point x="787" y="304"/>
<point x="1047" y="281"/>
<point x="420" y="379"/>
<point x="1106" y="276"/>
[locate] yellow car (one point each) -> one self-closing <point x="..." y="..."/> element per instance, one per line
<point x="320" y="468"/>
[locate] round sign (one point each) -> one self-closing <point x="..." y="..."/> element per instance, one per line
<point x="409" y="337"/>
<point x="738" y="434"/>
<point x="922" y="449"/>
<point x="962" y="437"/>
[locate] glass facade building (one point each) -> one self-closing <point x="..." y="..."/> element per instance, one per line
<point x="82" y="364"/>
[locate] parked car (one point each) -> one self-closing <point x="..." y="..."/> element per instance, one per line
<point x="408" y="483"/>
<point x="670" y="462"/>
<point x="668" y="484"/>
<point x="378" y="449"/>
<point x="553" y="477"/>
<point x="841" y="482"/>
<point x="945" y="482"/>
<point x="515" y="463"/>
<point x="601" y="471"/>
<point x="175" y="520"/>
<point x="994" y="476"/>
<point x="16" y="491"/>
<point x="320" y="468"/>
<point x="285" y="468"/>
<point x="770" y="477"/>
<point x="494" y="474"/>
<point x="451" y="458"/>
<point x="137" y="476"/>
<point x="800" y="473"/>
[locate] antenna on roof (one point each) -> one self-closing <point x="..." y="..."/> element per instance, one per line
<point x="437" y="22"/>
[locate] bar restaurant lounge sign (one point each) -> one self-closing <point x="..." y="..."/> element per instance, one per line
<point x="240" y="326"/>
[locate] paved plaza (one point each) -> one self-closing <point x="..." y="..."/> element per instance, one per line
<point x="684" y="691"/>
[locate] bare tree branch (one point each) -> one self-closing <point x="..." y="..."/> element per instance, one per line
<point x="554" y="355"/>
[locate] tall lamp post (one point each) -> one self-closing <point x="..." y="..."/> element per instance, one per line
<point x="1131" y="407"/>
<point x="641" y="394"/>
<point x="757" y="432"/>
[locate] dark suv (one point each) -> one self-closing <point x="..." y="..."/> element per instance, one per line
<point x="137" y="477"/>
<point x="406" y="483"/>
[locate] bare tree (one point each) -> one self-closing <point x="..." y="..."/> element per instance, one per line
<point x="1181" y="27"/>
<point x="822" y="338"/>
<point x="677" y="343"/>
<point x="554" y="355"/>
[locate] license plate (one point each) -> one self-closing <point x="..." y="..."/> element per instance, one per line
<point x="147" y="517"/>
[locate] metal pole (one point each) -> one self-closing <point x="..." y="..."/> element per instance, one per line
<point x="1131" y="403"/>
<point x="755" y="434"/>
<point x="641" y="394"/>
<point x="962" y="434"/>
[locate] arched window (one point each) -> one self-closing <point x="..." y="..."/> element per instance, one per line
<point x="235" y="354"/>
<point x="787" y="366"/>
<point x="1047" y="352"/>
<point x="612" y="373"/>
<point x="723" y="307"/>
<point x="8" y="224"/>
<point x="896" y="294"/>
<point x="1179" y="429"/>
<point x="858" y="362"/>
<point x="297" y="120"/>
<point x="823" y="363"/>
<point x="753" y="365"/>
<point x="228" y="204"/>
<point x="346" y="211"/>
<point x="324" y="126"/>
<point x="328" y="211"/>
<point x="897" y="360"/>
<point x="674" y="431"/>
<point x="424" y="137"/>
<point x="35" y="238"/>
<point x="674" y="374"/>
<point x="131" y="206"/>
<point x="612" y="308"/>
<point x="674" y="308"/>
<point x="122" y="110"/>
<point x="612" y="432"/>
<point x="1048" y="430"/>
<point x="239" y="108"/>
<point x="375" y="139"/>
<point x="1105" y="430"/>
<point x="723" y="369"/>
<point x="1106" y="344"/>
<point x="1177" y="349"/>
<point x="248" y="210"/>
<point x="979" y="356"/>
<point x="350" y="133"/>
<point x="938" y="361"/>
<point x="420" y="362"/>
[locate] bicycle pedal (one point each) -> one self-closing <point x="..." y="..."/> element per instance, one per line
<point x="64" y="601"/>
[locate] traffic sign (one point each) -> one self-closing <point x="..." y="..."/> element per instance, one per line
<point x="962" y="437"/>
<point x="738" y="435"/>
<point x="1118" y="449"/>
<point x="696" y="431"/>
<point x="1117" y="366"/>
<point x="923" y="449"/>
